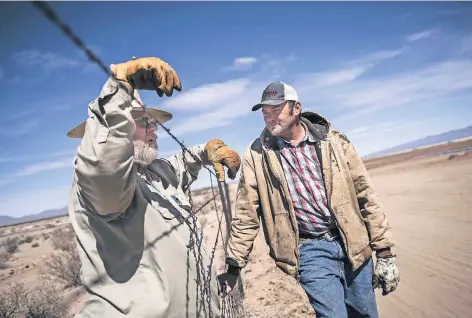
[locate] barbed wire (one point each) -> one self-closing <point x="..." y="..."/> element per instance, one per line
<point x="45" y="9"/>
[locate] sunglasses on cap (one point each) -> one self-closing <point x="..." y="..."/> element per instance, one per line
<point x="145" y="122"/>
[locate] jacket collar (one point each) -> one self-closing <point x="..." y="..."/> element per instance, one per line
<point x="281" y="143"/>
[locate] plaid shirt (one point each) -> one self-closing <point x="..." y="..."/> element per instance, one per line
<point x="302" y="171"/>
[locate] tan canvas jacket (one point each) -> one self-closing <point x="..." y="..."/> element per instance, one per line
<point x="138" y="259"/>
<point x="263" y="199"/>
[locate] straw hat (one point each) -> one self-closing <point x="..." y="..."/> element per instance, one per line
<point x="159" y="115"/>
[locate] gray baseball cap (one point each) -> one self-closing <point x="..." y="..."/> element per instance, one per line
<point x="277" y="93"/>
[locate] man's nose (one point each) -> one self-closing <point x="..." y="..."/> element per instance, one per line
<point x="271" y="118"/>
<point x="152" y="127"/>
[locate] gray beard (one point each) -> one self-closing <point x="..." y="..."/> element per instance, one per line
<point x="143" y="156"/>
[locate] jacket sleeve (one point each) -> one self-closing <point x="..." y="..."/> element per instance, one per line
<point x="245" y="222"/>
<point x="103" y="166"/>
<point x="380" y="232"/>
<point x="188" y="173"/>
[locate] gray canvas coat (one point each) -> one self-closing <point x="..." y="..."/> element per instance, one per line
<point x="134" y="235"/>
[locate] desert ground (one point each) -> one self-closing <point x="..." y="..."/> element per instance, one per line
<point x="427" y="198"/>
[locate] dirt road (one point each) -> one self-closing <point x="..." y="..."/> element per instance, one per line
<point x="429" y="204"/>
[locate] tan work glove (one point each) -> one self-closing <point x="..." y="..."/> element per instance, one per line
<point x="220" y="155"/>
<point x="148" y="73"/>
<point x="386" y="275"/>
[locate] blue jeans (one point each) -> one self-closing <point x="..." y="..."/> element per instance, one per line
<point x="334" y="290"/>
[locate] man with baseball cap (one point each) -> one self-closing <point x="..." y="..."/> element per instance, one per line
<point x="304" y="182"/>
<point x="139" y="244"/>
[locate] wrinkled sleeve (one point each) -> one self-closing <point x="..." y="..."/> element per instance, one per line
<point x="103" y="166"/>
<point x="187" y="167"/>
<point x="380" y="232"/>
<point x="245" y="223"/>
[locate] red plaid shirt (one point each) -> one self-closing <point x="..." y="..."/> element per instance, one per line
<point x="306" y="185"/>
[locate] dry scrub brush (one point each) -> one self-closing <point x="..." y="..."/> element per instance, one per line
<point x="11" y="301"/>
<point x="65" y="263"/>
<point x="4" y="258"/>
<point x="43" y="301"/>
<point x="63" y="238"/>
<point x="11" y="245"/>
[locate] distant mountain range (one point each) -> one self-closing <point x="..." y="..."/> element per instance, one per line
<point x="427" y="141"/>
<point x="8" y="220"/>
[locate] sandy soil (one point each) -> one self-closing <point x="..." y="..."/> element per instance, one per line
<point x="429" y="203"/>
<point x="427" y="199"/>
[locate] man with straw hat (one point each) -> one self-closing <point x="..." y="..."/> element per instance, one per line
<point x="141" y="250"/>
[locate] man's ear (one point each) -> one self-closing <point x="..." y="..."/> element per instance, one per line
<point x="298" y="108"/>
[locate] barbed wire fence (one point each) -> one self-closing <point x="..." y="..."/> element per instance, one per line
<point x="231" y="305"/>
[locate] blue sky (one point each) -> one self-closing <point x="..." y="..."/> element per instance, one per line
<point x="383" y="73"/>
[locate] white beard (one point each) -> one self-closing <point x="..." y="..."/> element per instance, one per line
<point x="143" y="156"/>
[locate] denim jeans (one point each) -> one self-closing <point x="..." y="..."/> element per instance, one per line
<point x="334" y="290"/>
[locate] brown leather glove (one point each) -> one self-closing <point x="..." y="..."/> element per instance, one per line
<point x="220" y="155"/>
<point x="148" y="73"/>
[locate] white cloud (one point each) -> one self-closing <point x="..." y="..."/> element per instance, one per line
<point x="364" y="95"/>
<point x="274" y="66"/>
<point x="383" y="127"/>
<point x="5" y="182"/>
<point x="355" y="68"/>
<point x="21" y="114"/>
<point x="229" y="110"/>
<point x="47" y="60"/>
<point x="420" y="35"/>
<point x="242" y="63"/>
<point x="32" y="169"/>
<point x="219" y="104"/>
<point x="466" y="44"/>
<point x="329" y="78"/>
<point x="377" y="57"/>
<point x="377" y="137"/>
<point x="359" y="131"/>
<point x="271" y="65"/>
<point x="19" y="129"/>
<point x="38" y="156"/>
<point x="433" y="81"/>
<point x="208" y="95"/>
<point x="45" y="166"/>
<point x="449" y="12"/>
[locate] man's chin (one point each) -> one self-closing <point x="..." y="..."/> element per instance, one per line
<point x="144" y="153"/>
<point x="275" y="131"/>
